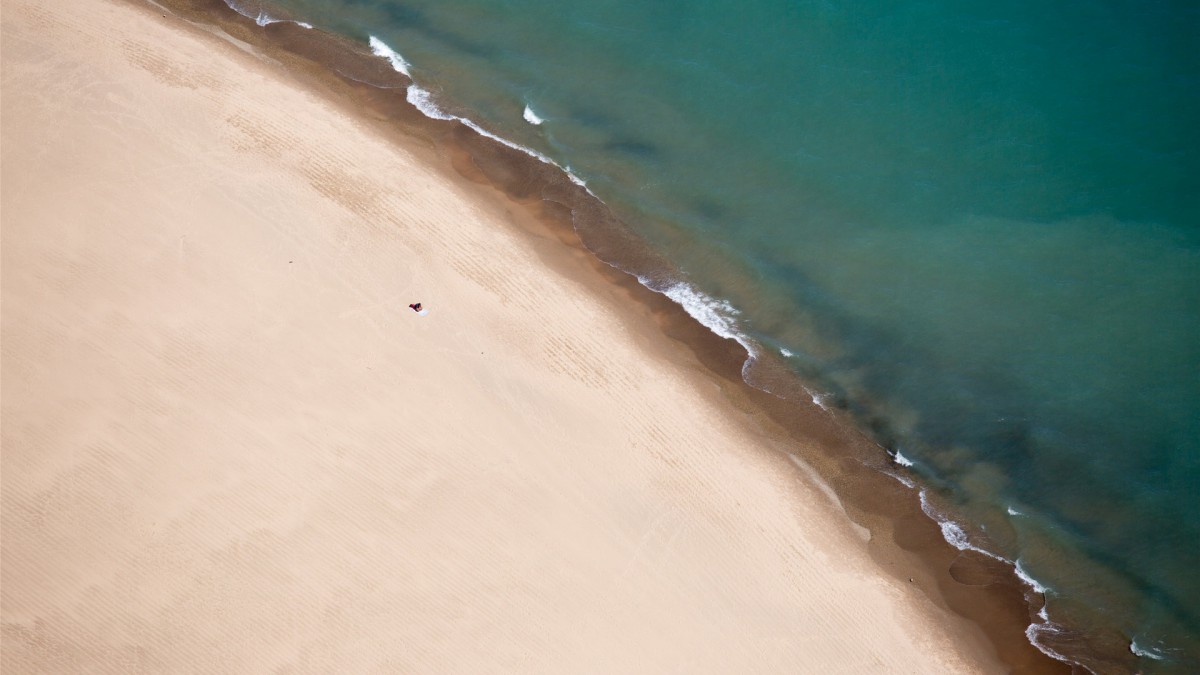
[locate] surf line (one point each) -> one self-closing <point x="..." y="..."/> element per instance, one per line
<point x="423" y="101"/>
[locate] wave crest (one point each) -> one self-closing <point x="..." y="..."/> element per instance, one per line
<point x="379" y="48"/>
<point x="1146" y="652"/>
<point x="952" y="532"/>
<point x="532" y="117"/>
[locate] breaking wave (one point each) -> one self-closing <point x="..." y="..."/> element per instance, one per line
<point x="532" y="117"/>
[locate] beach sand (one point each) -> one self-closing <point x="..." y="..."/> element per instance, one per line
<point x="230" y="446"/>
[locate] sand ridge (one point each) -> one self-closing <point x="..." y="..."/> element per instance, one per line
<point x="229" y="446"/>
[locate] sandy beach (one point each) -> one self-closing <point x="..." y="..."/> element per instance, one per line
<point x="230" y="446"/>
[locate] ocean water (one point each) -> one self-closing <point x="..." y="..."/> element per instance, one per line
<point x="974" y="225"/>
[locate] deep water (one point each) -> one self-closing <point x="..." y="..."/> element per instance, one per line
<point x="977" y="225"/>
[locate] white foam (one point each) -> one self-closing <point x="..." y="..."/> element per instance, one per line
<point x="1014" y="512"/>
<point x="532" y="117"/>
<point x="380" y="48"/>
<point x="1029" y="580"/>
<point x="900" y="459"/>
<point x="423" y="101"/>
<point x="577" y="180"/>
<point x="1036" y="629"/>
<point x="262" y="18"/>
<point x="902" y="479"/>
<point x="1146" y="652"/>
<point x="818" y="399"/>
<point x="715" y="315"/>
<point x="952" y="532"/>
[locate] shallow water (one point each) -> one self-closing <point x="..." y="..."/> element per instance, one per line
<point x="976" y="226"/>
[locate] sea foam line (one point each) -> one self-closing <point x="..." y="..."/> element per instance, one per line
<point x="716" y="315"/>
<point x="379" y="48"/>
<point x="906" y="482"/>
<point x="1033" y="633"/>
<point x="952" y="532"/>
<point x="422" y="100"/>
<point x="262" y="18"/>
<point x="1036" y="585"/>
<point x="957" y="537"/>
<point x="817" y="397"/>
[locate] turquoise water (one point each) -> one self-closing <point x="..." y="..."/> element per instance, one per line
<point x="977" y="225"/>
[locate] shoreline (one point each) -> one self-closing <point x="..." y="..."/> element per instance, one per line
<point x="858" y="471"/>
<point x="1009" y="607"/>
<point x="548" y="207"/>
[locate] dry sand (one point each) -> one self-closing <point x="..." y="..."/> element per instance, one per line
<point x="229" y="446"/>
